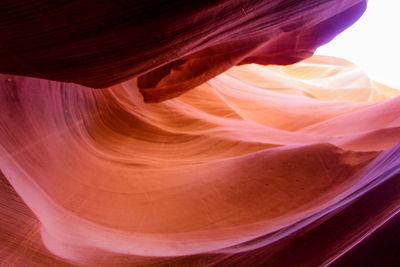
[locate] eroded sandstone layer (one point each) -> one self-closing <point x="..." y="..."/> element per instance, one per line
<point x="238" y="164"/>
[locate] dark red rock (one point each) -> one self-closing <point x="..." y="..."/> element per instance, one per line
<point x="102" y="43"/>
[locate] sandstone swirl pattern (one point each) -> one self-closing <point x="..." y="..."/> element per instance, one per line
<point x="256" y="164"/>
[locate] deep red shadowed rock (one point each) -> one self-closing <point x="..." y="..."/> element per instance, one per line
<point x="102" y="43"/>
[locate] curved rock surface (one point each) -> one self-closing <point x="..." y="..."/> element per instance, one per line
<point x="259" y="165"/>
<point x="173" y="45"/>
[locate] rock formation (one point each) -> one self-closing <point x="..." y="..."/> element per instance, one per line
<point x="272" y="163"/>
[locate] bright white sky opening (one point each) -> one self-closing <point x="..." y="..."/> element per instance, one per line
<point x="373" y="42"/>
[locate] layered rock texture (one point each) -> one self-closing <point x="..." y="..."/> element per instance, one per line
<point x="267" y="164"/>
<point x="173" y="45"/>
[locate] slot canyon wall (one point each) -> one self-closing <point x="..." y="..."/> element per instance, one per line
<point x="163" y="133"/>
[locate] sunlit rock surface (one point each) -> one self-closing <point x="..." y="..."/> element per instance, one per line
<point x="245" y="166"/>
<point x="279" y="165"/>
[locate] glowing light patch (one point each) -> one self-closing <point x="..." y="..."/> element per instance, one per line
<point x="372" y="42"/>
